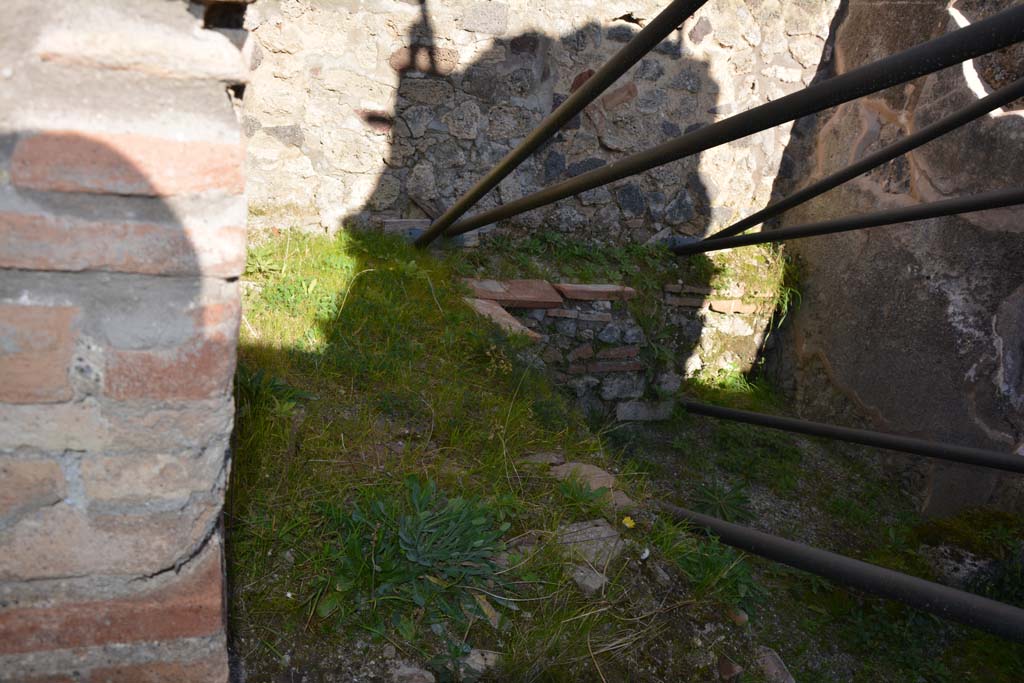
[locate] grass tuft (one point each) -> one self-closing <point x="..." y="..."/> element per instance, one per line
<point x="413" y="562"/>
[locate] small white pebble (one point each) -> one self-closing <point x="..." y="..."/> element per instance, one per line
<point x="645" y="554"/>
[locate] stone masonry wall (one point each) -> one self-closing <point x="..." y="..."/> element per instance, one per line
<point x="364" y="110"/>
<point x="122" y="234"/>
<point x="590" y="342"/>
<point x="915" y="329"/>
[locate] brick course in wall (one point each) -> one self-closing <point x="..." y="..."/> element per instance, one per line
<point x="122" y="234"/>
<point x="589" y="341"/>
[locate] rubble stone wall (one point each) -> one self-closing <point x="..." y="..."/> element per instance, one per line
<point x="363" y="110"/>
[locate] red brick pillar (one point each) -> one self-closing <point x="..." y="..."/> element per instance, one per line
<point x="122" y="234"/>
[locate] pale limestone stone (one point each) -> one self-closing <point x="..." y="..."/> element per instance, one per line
<point x="594" y="542"/>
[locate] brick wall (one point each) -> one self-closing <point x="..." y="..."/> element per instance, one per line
<point x="122" y="233"/>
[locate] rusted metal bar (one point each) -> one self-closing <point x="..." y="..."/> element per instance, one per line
<point x="657" y="30"/>
<point x="943" y="451"/>
<point x="987" y="35"/>
<point x="902" y="146"/>
<point x="947" y="207"/>
<point x="949" y="603"/>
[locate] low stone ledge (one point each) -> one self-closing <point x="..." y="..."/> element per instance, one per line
<point x="732" y="306"/>
<point x="516" y="293"/>
<point x="582" y="292"/>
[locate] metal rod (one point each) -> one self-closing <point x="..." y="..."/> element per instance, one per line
<point x="946" y="207"/>
<point x="902" y="146"/>
<point x="987" y="35"/>
<point x="943" y="451"/>
<point x="1003" y="620"/>
<point x="657" y="30"/>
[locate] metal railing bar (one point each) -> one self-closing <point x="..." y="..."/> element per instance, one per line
<point x="891" y="217"/>
<point x="963" y="454"/>
<point x="987" y="35"/>
<point x="657" y="30"/>
<point x="1003" y="620"/>
<point x="910" y="142"/>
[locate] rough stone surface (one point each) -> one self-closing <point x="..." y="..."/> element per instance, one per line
<point x="771" y="666"/>
<point x="546" y="458"/>
<point x="591" y="475"/>
<point x="503" y="318"/>
<point x="728" y="670"/>
<point x="477" y="663"/>
<point x="486" y="17"/>
<point x="404" y="83"/>
<point x="882" y="310"/>
<point x="620" y="386"/>
<point x="595" y="292"/>
<point x="28" y="485"/>
<point x="644" y="411"/>
<point x="36" y="348"/>
<point x="594" y="542"/>
<point x="404" y="672"/>
<point x="731" y="306"/>
<point x="425" y="59"/>
<point x="590" y="581"/>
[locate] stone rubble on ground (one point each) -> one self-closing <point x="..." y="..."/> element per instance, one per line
<point x="501" y="317"/>
<point x="771" y="665"/>
<point x="595" y="478"/>
<point x="590" y="581"/>
<point x="729" y="670"/>
<point x="545" y="458"/>
<point x="477" y="663"/>
<point x="403" y="672"/>
<point x="594" y="542"/>
<point x="737" y="616"/>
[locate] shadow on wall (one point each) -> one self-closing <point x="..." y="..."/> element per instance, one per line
<point x="448" y="128"/>
<point x="109" y="376"/>
<point x="914" y="329"/>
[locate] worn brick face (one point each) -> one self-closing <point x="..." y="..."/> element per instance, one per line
<point x="28" y="484"/>
<point x="213" y="669"/>
<point x="126" y="163"/>
<point x="189" y="606"/>
<point x="43" y="242"/>
<point x="125" y="478"/>
<point x="122" y="216"/>
<point x="36" y="345"/>
<point x="200" y="369"/>
<point x="64" y="540"/>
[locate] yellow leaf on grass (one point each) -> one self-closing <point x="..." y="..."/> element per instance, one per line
<point x="487" y="609"/>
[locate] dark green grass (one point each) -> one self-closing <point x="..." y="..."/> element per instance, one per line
<point x="362" y="366"/>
